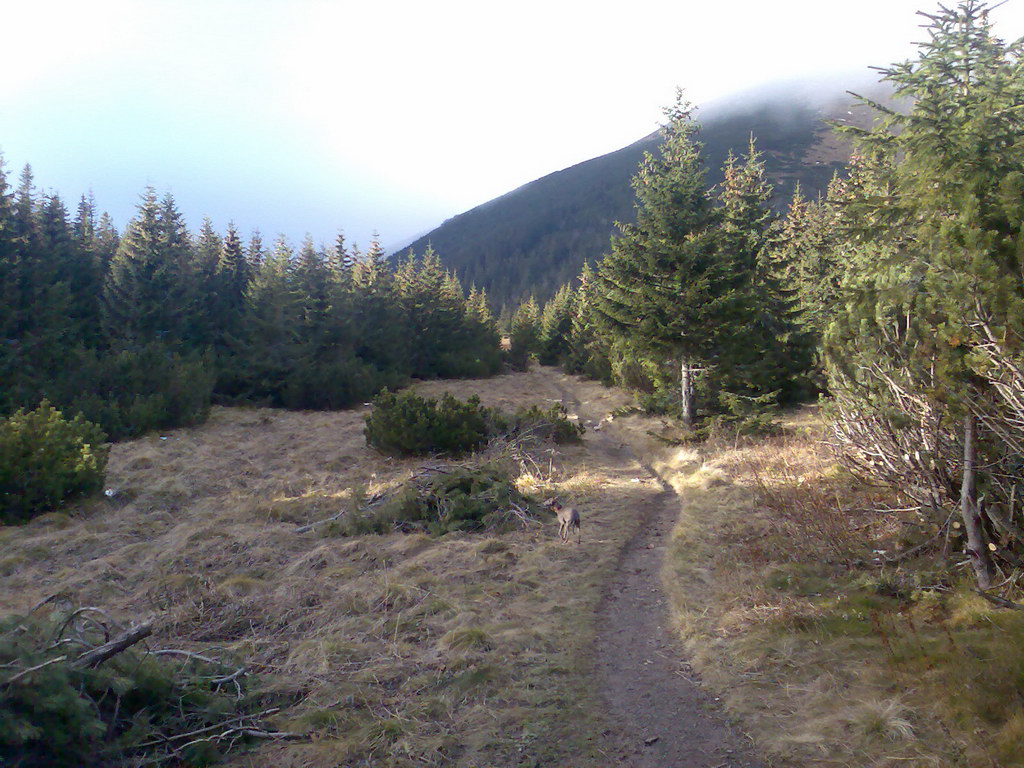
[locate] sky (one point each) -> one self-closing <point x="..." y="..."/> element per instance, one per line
<point x="388" y="116"/>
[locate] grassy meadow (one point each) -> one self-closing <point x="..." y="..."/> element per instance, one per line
<point x="467" y="649"/>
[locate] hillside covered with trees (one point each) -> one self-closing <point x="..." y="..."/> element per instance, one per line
<point x="533" y="239"/>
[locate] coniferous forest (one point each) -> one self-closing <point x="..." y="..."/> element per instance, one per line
<point x="143" y="329"/>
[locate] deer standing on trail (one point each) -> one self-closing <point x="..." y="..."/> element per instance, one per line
<point x="568" y="518"/>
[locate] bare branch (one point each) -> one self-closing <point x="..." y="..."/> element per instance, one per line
<point x="97" y="656"/>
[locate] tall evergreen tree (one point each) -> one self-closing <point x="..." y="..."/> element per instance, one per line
<point x="556" y="327"/>
<point x="312" y="288"/>
<point x="770" y="356"/>
<point x="663" y="288"/>
<point x="231" y="281"/>
<point x="524" y="335"/>
<point x="254" y="252"/>
<point x="146" y="295"/>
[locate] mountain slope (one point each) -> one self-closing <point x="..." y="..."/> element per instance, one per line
<point x="535" y="238"/>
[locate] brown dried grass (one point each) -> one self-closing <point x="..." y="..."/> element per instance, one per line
<point x="397" y="650"/>
<point x="785" y="607"/>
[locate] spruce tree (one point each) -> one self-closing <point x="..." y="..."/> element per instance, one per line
<point x="14" y="393"/>
<point x="311" y="281"/>
<point x="933" y="291"/>
<point x="146" y="295"/>
<point x="231" y="279"/>
<point x="524" y="335"/>
<point x="254" y="252"/>
<point x="556" y="327"/>
<point x="263" y="356"/>
<point x="663" y="290"/>
<point x="763" y="352"/>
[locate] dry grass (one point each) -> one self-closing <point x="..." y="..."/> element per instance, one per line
<point x="390" y="650"/>
<point x="831" y="657"/>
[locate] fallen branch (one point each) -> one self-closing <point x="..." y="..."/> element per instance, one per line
<point x="523" y="515"/>
<point x="97" y="656"/>
<point x="913" y="550"/>
<point x="216" y="680"/>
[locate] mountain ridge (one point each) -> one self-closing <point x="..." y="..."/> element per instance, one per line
<point x="537" y="236"/>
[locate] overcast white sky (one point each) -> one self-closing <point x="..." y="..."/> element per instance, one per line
<point x="315" y="115"/>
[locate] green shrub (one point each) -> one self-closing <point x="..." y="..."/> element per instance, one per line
<point x="45" y="459"/>
<point x="744" y="416"/>
<point x="335" y="384"/>
<point x="137" y="390"/>
<point x="454" y="499"/>
<point x="136" y="708"/>
<point x="408" y="425"/>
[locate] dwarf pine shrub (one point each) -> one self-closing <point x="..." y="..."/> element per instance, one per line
<point x="136" y="708"/>
<point x="46" y="459"/>
<point x="406" y="424"/>
<point x="467" y="499"/>
<point x="545" y="424"/>
<point x="135" y="390"/>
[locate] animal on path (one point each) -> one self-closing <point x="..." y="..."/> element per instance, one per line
<point x="568" y="518"/>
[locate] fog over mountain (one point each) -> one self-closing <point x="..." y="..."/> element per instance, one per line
<point x="538" y="236"/>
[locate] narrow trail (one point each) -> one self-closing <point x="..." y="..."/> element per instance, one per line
<point x="662" y="717"/>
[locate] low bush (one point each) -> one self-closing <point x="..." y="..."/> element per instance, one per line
<point x="334" y="385"/>
<point x="744" y="416"/>
<point x="545" y="424"/>
<point x="133" y="708"/>
<point x="446" y="500"/>
<point x="46" y="459"/>
<point x="406" y="424"/>
<point x="137" y="390"/>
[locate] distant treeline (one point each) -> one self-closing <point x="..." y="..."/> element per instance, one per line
<point x="144" y="329"/>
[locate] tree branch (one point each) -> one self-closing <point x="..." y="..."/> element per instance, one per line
<point x="98" y="655"/>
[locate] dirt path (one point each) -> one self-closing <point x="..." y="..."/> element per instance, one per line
<point x="663" y="718"/>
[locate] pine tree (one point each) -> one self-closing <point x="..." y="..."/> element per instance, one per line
<point x="663" y="290"/>
<point x="340" y="262"/>
<point x="105" y="242"/>
<point x="763" y="354"/>
<point x="524" y="335"/>
<point x="15" y="391"/>
<point x="556" y="327"/>
<point x="231" y="280"/>
<point x="264" y="354"/>
<point x="254" y="253"/>
<point x="72" y="279"/>
<point x="311" y="281"/>
<point x="934" y="301"/>
<point x="147" y="296"/>
<point x="372" y="266"/>
<point x="203" y="256"/>
<point x="806" y="253"/>
<point x="434" y="315"/>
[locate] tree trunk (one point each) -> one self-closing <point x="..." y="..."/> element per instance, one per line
<point x="977" y="542"/>
<point x="689" y="411"/>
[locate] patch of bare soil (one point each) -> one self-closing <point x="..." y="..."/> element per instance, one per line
<point x="663" y="718"/>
